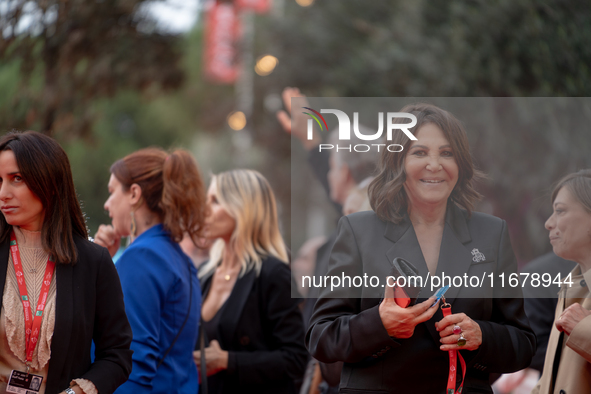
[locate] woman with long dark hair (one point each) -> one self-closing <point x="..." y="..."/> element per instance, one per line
<point x="155" y="198"/>
<point x="60" y="292"/>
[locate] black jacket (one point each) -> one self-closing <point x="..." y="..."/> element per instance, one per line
<point x="349" y="328"/>
<point x="261" y="327"/>
<point x="89" y="306"/>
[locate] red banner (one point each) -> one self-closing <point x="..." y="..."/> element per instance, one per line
<point x="222" y="29"/>
<point x="258" y="6"/>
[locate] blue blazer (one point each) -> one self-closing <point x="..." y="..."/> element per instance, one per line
<point x="159" y="281"/>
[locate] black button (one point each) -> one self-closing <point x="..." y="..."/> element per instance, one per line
<point x="244" y="340"/>
<point x="583" y="283"/>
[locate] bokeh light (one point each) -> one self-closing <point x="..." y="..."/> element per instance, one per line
<point x="305" y="3"/>
<point x="237" y="120"/>
<point x="265" y="65"/>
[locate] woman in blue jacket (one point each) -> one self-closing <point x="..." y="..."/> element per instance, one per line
<point x="154" y="199"/>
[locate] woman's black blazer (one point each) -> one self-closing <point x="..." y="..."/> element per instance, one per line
<point x="262" y="329"/>
<point x="89" y="306"/>
<point x="349" y="329"/>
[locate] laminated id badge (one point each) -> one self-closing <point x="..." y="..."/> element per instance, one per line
<point x="23" y="383"/>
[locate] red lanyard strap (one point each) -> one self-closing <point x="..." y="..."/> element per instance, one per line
<point x="32" y="324"/>
<point x="453" y="356"/>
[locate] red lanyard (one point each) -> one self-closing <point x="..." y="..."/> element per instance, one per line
<point x="32" y="325"/>
<point x="453" y="356"/>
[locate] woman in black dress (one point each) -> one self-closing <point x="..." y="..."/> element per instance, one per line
<point x="254" y="327"/>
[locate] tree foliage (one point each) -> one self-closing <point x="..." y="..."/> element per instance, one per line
<point x="71" y="52"/>
<point x="437" y="48"/>
<point x="458" y="49"/>
<point x="99" y="77"/>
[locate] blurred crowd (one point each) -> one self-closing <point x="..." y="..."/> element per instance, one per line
<point x="201" y="295"/>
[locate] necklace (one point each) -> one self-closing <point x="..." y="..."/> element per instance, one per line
<point x="227" y="271"/>
<point x="227" y="276"/>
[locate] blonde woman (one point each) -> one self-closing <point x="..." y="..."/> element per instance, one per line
<point x="253" y="326"/>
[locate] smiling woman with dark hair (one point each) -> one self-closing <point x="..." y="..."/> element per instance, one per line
<point x="423" y="200"/>
<point x="71" y="295"/>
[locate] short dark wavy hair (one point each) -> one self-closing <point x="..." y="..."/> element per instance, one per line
<point x="579" y="185"/>
<point x="386" y="192"/>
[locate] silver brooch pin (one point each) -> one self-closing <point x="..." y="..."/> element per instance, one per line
<point x="478" y="257"/>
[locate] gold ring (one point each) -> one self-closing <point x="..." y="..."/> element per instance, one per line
<point x="461" y="340"/>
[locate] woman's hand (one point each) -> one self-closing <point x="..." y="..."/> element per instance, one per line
<point x="106" y="236"/>
<point x="401" y="322"/>
<point x="77" y="389"/>
<point x="522" y="381"/>
<point x="469" y="328"/>
<point x="216" y="359"/>
<point x="570" y="317"/>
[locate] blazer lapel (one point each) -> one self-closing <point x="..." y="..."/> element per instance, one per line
<point x="64" y="313"/>
<point x="552" y="349"/>
<point x="205" y="284"/>
<point x="454" y="260"/>
<point x="234" y="306"/>
<point x="454" y="257"/>
<point x="406" y="245"/>
<point x="4" y="249"/>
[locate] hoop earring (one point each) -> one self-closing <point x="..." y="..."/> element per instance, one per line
<point x="133" y="227"/>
